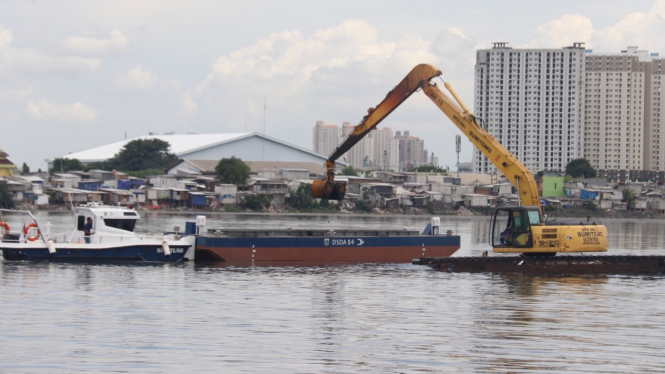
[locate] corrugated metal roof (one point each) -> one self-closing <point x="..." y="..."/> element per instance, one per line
<point x="180" y="144"/>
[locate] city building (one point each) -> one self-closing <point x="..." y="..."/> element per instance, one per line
<point x="385" y="150"/>
<point x="532" y="102"/>
<point x="325" y="139"/>
<point x="360" y="155"/>
<point x="412" y="152"/>
<point x="623" y="115"/>
<point x="379" y="150"/>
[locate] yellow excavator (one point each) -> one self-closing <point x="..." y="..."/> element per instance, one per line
<point x="514" y="229"/>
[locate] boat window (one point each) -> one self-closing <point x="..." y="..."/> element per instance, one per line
<point x="518" y="221"/>
<point x="80" y="223"/>
<point x="122" y="224"/>
<point x="130" y="214"/>
<point x="534" y="217"/>
<point x="501" y="221"/>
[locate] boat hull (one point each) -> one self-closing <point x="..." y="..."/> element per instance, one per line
<point x="324" y="250"/>
<point x="142" y="252"/>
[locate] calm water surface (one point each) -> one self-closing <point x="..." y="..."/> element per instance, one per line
<point x="338" y="319"/>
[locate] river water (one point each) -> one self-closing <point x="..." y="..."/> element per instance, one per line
<point x="338" y="319"/>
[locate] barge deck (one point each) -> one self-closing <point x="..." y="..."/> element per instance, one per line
<point x="625" y="265"/>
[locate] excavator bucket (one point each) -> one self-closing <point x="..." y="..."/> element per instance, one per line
<point x="323" y="189"/>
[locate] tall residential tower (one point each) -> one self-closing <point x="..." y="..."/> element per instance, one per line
<point x="532" y="101"/>
<point x="623" y="117"/>
<point x="325" y="139"/>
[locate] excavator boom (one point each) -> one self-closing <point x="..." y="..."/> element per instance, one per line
<point x="419" y="78"/>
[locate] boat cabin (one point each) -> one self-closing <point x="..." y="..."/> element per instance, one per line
<point x="109" y="223"/>
<point x="511" y="226"/>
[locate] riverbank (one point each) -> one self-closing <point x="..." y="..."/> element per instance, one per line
<point x="568" y="215"/>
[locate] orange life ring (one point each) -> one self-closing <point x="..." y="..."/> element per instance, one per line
<point x="6" y="226"/>
<point x="26" y="230"/>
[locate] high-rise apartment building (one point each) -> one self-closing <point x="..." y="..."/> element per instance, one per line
<point x="532" y="102"/>
<point x="326" y="138"/>
<point x="623" y="115"/>
<point x="380" y="149"/>
<point x="360" y="155"/>
<point x="385" y="150"/>
<point x="412" y="152"/>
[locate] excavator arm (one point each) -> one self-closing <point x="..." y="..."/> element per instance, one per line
<point x="420" y="78"/>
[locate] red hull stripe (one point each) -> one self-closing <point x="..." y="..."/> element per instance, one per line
<point x="395" y="254"/>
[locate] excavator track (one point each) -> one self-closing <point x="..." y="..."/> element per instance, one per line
<point x="580" y="264"/>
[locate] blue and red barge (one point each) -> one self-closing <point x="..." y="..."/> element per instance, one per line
<point x="255" y="246"/>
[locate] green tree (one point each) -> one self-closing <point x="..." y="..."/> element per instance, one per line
<point x="629" y="197"/>
<point x="141" y="154"/>
<point x="232" y="171"/>
<point x="97" y="165"/>
<point x="62" y="165"/>
<point x="580" y="167"/>
<point x="302" y="197"/>
<point x="364" y="206"/>
<point x="255" y="202"/>
<point x="430" y="169"/>
<point x="349" y="170"/>
<point x="26" y="168"/>
<point x="6" y="201"/>
<point x="366" y="193"/>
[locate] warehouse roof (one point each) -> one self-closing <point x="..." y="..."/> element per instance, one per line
<point x="181" y="144"/>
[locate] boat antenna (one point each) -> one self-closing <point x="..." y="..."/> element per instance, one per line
<point x="71" y="203"/>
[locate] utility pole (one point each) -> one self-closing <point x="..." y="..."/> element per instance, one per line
<point x="458" y="149"/>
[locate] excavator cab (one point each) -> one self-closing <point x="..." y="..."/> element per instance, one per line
<point x="511" y="226"/>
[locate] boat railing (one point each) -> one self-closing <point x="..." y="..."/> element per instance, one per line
<point x="16" y="237"/>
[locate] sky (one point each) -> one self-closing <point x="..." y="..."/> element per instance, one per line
<point x="79" y="74"/>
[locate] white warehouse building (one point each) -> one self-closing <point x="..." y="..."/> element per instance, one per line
<point x="245" y="146"/>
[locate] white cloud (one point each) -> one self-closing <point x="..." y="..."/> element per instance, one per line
<point x="452" y="42"/>
<point x="45" y="110"/>
<point x="28" y="60"/>
<point x="563" y="32"/>
<point x="5" y="37"/>
<point x="643" y="29"/>
<point x="187" y="106"/>
<point x="15" y="59"/>
<point x="89" y="46"/>
<point x="289" y="66"/>
<point x="15" y="95"/>
<point x="635" y="29"/>
<point x="138" y="79"/>
<point x="290" y="53"/>
<point x="658" y="8"/>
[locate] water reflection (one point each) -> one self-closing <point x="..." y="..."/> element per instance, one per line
<point x="350" y="318"/>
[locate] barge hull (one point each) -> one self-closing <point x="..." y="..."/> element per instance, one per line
<point x="627" y="265"/>
<point x="324" y="250"/>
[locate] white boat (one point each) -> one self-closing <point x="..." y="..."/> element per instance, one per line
<point x="113" y="238"/>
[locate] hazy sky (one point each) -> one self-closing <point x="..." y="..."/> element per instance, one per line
<point x="78" y="74"/>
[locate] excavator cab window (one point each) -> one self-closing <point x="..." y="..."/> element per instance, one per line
<point x="511" y="227"/>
